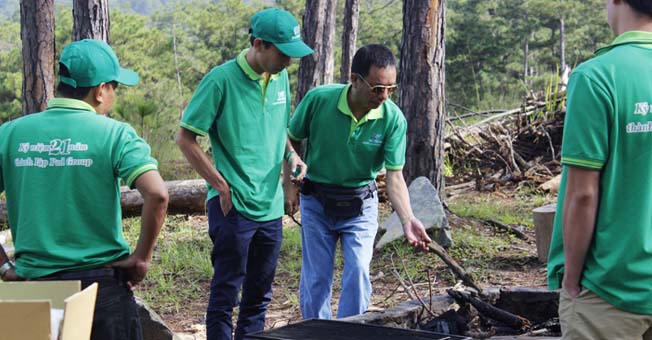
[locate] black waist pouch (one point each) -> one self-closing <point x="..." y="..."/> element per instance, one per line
<point x="339" y="201"/>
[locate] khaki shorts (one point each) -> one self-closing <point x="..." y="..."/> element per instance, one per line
<point x="590" y="317"/>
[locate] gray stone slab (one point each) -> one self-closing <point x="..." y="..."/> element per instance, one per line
<point x="427" y="207"/>
<point x="153" y="326"/>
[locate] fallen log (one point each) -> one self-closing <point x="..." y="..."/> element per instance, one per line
<point x="186" y="197"/>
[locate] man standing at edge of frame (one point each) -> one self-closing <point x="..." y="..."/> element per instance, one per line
<point x="601" y="249"/>
<point x="61" y="171"/>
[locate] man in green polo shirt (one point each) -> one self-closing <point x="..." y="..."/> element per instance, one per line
<point x="243" y="105"/>
<point x="61" y="169"/>
<point x="353" y="131"/>
<point x="601" y="250"/>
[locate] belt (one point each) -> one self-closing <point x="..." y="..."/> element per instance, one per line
<point x="320" y="190"/>
<point x="81" y="275"/>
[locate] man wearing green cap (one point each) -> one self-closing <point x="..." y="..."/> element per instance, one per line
<point x="61" y="169"/>
<point x="243" y="105"/>
<point x="601" y="245"/>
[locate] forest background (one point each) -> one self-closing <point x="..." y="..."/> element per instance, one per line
<point x="497" y="52"/>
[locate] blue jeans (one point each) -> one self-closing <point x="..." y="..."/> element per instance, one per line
<point x="245" y="254"/>
<point x="319" y="236"/>
<point x="116" y="313"/>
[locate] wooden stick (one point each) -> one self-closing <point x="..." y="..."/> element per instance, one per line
<point x="459" y="272"/>
<point x="508" y="229"/>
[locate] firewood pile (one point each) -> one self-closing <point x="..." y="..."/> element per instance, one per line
<point x="481" y="319"/>
<point x="519" y="146"/>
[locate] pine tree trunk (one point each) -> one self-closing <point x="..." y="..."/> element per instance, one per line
<point x="421" y="95"/>
<point x="90" y="20"/>
<point x="327" y="62"/>
<point x="349" y="37"/>
<point x="313" y="69"/>
<point x="562" y="40"/>
<point x="37" y="34"/>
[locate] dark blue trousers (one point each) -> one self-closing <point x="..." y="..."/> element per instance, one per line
<point x="244" y="256"/>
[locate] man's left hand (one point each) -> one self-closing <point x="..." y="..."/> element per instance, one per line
<point x="291" y="198"/>
<point x="416" y="234"/>
<point x="135" y="268"/>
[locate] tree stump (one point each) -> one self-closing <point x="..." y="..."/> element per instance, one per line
<point x="544" y="218"/>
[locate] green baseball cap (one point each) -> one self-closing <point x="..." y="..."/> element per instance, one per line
<point x="92" y="62"/>
<point x="281" y="29"/>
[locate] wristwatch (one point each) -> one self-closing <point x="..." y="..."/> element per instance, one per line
<point x="5" y="268"/>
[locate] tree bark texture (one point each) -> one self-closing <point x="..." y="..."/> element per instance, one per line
<point x="421" y="94"/>
<point x="349" y="37"/>
<point x="562" y="39"/>
<point x="37" y="34"/>
<point x="90" y="20"/>
<point x="318" y="31"/>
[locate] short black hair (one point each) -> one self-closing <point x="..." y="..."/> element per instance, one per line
<point x="642" y="6"/>
<point x="267" y="44"/>
<point x="66" y="91"/>
<point x="374" y="54"/>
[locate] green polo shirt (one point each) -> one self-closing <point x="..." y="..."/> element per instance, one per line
<point x="245" y="117"/>
<point x="608" y="128"/>
<point x="60" y="170"/>
<point x="342" y="150"/>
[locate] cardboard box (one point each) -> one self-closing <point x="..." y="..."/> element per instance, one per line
<point x="25" y="309"/>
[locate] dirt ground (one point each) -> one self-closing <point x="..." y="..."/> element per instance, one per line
<point x="514" y="265"/>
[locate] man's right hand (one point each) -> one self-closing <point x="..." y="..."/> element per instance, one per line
<point x="572" y="287"/>
<point x="136" y="269"/>
<point x="11" y="275"/>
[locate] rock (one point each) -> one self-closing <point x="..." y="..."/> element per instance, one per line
<point x="551" y="186"/>
<point x="426" y="207"/>
<point x="153" y="326"/>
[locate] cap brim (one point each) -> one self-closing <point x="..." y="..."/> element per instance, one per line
<point x="127" y="77"/>
<point x="294" y="49"/>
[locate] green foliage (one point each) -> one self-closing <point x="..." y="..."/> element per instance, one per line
<point x="485" y="207"/>
<point x="11" y="74"/>
<point x="172" y="44"/>
<point x="485" y="43"/>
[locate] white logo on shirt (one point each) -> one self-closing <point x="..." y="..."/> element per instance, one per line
<point x="376" y="140"/>
<point x="56" y="147"/>
<point x="642" y="108"/>
<point x="280" y="98"/>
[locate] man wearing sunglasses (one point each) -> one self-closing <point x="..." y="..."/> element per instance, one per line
<point x="352" y="132"/>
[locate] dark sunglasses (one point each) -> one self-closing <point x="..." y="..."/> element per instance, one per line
<point x="378" y="89"/>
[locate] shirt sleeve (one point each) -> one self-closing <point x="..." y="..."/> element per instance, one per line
<point x="395" y="144"/>
<point x="133" y="156"/>
<point x="298" y="128"/>
<point x="585" y="140"/>
<point x="203" y="107"/>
